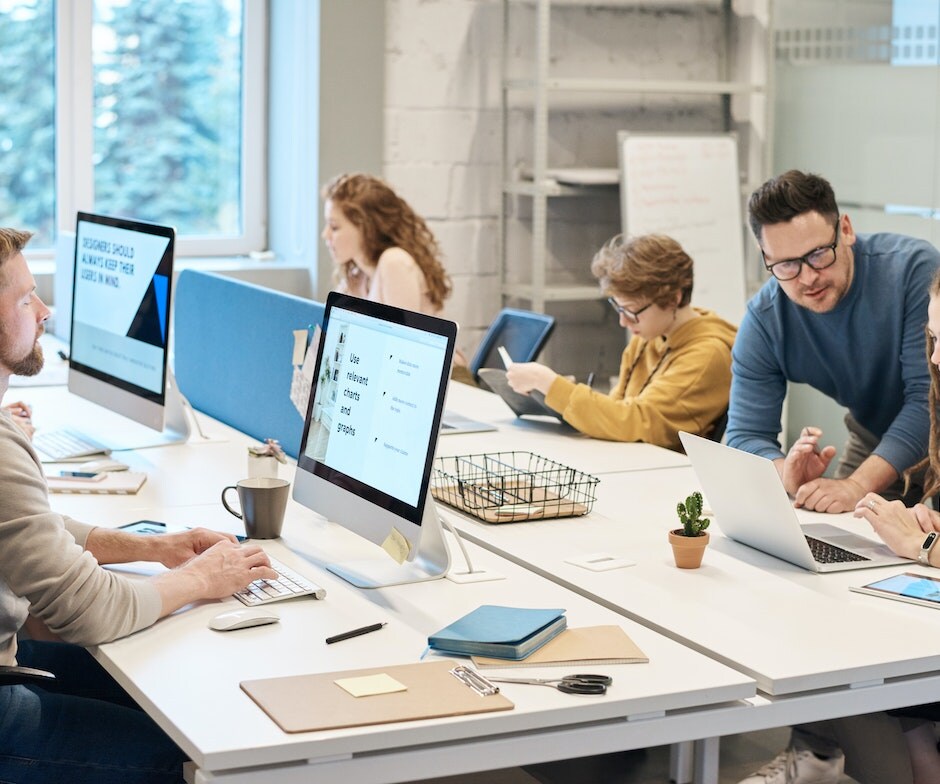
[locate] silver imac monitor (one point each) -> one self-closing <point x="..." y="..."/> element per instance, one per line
<point x="123" y="271"/>
<point x="371" y="432"/>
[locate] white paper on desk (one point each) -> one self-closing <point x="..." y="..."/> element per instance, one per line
<point x="55" y="371"/>
<point x="55" y="375"/>
<point x="302" y="377"/>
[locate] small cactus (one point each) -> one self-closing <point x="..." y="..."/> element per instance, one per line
<point x="690" y="515"/>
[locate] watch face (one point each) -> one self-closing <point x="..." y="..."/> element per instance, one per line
<point x="931" y="537"/>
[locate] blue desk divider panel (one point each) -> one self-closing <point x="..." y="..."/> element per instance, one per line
<point x="233" y="347"/>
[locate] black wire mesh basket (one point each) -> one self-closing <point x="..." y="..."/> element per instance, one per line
<point x="509" y="487"/>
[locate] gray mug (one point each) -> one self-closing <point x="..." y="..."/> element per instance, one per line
<point x="262" y="501"/>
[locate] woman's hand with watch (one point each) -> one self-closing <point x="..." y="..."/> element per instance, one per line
<point x="900" y="528"/>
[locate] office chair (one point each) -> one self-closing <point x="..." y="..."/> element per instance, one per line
<point x="523" y="333"/>
<point x="10" y="675"/>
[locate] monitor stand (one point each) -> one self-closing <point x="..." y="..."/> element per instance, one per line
<point x="176" y="425"/>
<point x="431" y="562"/>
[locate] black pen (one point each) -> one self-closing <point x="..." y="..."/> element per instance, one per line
<point x="354" y="633"/>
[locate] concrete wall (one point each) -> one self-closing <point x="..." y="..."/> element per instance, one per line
<point x="442" y="139"/>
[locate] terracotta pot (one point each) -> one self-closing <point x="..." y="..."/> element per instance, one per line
<point x="688" y="550"/>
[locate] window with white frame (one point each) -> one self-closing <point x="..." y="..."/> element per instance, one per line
<point x="143" y="108"/>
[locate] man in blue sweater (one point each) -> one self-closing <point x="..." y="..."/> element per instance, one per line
<point x="844" y="313"/>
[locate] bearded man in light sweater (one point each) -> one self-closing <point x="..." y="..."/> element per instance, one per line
<point x="82" y="727"/>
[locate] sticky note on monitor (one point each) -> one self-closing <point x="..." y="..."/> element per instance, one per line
<point x="397" y="546"/>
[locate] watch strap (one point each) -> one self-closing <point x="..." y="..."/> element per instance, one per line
<point x="923" y="556"/>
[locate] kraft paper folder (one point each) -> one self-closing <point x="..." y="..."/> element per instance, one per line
<point x="307" y="703"/>
<point x="584" y="645"/>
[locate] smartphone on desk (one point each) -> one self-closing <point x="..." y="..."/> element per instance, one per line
<point x="81" y="476"/>
<point x="150" y="527"/>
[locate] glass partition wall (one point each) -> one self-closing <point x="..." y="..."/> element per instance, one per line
<point x="857" y="90"/>
<point x="856" y="100"/>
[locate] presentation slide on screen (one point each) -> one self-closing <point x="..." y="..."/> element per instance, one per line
<point x="120" y="304"/>
<point x="377" y="391"/>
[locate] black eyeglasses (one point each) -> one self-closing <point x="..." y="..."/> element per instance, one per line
<point x="632" y="316"/>
<point x="818" y="259"/>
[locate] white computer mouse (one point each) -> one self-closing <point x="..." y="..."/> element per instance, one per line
<point x="242" y="619"/>
<point x="102" y="465"/>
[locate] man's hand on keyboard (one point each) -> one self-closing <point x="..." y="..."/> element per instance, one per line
<point x="216" y="573"/>
<point x="177" y="548"/>
<point x="227" y="567"/>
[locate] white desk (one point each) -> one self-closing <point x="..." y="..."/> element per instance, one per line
<point x="544" y="436"/>
<point x="178" y="474"/>
<point x="815" y="649"/>
<point x="762" y="617"/>
<point x="218" y="462"/>
<point x="186" y="677"/>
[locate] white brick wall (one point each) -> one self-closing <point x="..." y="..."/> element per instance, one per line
<point x="442" y="140"/>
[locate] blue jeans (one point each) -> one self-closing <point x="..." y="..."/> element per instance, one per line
<point x="83" y="729"/>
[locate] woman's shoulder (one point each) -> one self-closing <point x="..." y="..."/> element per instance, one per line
<point x="395" y="260"/>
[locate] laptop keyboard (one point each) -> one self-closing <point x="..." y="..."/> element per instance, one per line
<point x="823" y="552"/>
<point x="67" y="445"/>
<point x="288" y="585"/>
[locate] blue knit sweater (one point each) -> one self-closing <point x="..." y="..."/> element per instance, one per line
<point x="867" y="353"/>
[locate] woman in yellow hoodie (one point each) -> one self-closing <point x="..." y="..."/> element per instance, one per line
<point x="675" y="373"/>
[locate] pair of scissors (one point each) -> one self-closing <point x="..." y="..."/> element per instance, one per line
<point x="570" y="684"/>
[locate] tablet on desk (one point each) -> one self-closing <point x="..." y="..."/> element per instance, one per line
<point x="906" y="587"/>
<point x="532" y="404"/>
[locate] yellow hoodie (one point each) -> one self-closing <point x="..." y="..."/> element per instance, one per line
<point x="679" y="382"/>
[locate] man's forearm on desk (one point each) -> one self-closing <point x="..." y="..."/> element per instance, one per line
<point x="112" y="547"/>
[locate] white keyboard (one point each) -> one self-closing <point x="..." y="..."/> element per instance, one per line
<point x="66" y="445"/>
<point x="288" y="585"/>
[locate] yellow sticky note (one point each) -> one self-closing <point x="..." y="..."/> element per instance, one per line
<point x="300" y="346"/>
<point x="368" y="685"/>
<point x="396" y="546"/>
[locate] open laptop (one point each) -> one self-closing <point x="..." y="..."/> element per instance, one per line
<point x="452" y="423"/>
<point x="751" y="507"/>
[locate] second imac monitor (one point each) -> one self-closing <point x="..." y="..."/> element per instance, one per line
<point x="371" y="432"/>
<point x="121" y="317"/>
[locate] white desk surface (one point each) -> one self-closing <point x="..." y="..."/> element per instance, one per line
<point x="186" y="676"/>
<point x="814" y="649"/>
<point x="219" y="460"/>
<point x="544" y="436"/>
<point x="190" y="686"/>
<point x="219" y="463"/>
<point x="793" y="631"/>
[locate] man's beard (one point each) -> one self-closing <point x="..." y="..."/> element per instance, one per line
<point x="30" y="365"/>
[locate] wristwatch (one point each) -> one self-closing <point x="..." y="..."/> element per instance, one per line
<point x="923" y="557"/>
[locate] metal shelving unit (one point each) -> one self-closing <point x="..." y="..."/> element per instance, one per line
<point x="745" y="105"/>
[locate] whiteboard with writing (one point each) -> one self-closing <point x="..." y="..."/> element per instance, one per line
<point x="687" y="186"/>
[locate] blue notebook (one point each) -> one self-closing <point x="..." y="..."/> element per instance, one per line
<point x="500" y="632"/>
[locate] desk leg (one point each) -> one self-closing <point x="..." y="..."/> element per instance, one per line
<point x="680" y="762"/>
<point x="706" y="761"/>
